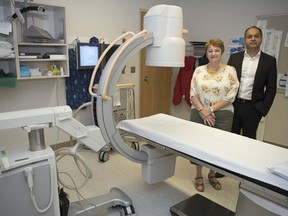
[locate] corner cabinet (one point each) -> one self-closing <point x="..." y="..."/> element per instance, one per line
<point x="39" y="40"/>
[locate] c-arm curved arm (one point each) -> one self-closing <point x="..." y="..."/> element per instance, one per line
<point x="107" y="87"/>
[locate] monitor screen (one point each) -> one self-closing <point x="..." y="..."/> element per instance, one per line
<point x="87" y="55"/>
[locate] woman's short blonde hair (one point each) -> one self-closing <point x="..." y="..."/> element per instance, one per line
<point x="217" y="42"/>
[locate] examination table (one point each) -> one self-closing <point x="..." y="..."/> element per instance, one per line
<point x="262" y="192"/>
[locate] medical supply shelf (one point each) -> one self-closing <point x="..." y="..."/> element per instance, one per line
<point x="31" y="36"/>
<point x="43" y="63"/>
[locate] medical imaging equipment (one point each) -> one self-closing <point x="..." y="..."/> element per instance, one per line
<point x="259" y="187"/>
<point x="123" y="108"/>
<point x="162" y="33"/>
<point x="262" y="192"/>
<point x="40" y="195"/>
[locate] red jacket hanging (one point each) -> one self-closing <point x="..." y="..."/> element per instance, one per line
<point x="182" y="86"/>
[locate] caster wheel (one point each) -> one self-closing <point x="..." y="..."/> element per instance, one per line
<point x="103" y="156"/>
<point x="130" y="211"/>
<point x="135" y="145"/>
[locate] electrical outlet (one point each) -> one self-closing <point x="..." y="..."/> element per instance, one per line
<point x="133" y="69"/>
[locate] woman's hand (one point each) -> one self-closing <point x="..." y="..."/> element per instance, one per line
<point x="204" y="112"/>
<point x="210" y="120"/>
<point x="208" y="116"/>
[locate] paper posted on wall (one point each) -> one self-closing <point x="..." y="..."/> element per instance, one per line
<point x="282" y="83"/>
<point x="271" y="39"/>
<point x="5" y="28"/>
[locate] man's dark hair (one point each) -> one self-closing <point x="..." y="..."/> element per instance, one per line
<point x="255" y="27"/>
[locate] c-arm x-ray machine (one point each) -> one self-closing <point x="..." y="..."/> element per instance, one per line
<point x="34" y="169"/>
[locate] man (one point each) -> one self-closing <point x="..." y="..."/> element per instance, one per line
<point x="257" y="74"/>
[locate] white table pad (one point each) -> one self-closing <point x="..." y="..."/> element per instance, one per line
<point x="230" y="151"/>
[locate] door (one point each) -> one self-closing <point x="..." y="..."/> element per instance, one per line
<point x="155" y="86"/>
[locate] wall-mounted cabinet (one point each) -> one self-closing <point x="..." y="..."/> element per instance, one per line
<point x="7" y="57"/>
<point x="39" y="39"/>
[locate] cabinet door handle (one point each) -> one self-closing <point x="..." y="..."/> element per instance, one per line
<point x="146" y="79"/>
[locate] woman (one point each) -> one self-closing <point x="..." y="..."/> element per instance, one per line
<point x="213" y="90"/>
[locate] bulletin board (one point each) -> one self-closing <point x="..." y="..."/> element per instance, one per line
<point x="279" y="22"/>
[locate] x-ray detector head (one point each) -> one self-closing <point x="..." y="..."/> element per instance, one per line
<point x="165" y="22"/>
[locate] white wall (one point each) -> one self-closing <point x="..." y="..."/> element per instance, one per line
<point x="205" y="19"/>
<point x="226" y="19"/>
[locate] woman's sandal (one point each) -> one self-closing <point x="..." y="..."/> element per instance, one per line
<point x="199" y="186"/>
<point x="214" y="182"/>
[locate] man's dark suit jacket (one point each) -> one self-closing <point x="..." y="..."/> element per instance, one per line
<point x="264" y="87"/>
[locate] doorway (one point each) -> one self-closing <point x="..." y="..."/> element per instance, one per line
<point x="155" y="85"/>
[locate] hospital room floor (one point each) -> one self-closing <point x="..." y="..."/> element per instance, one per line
<point x="147" y="199"/>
